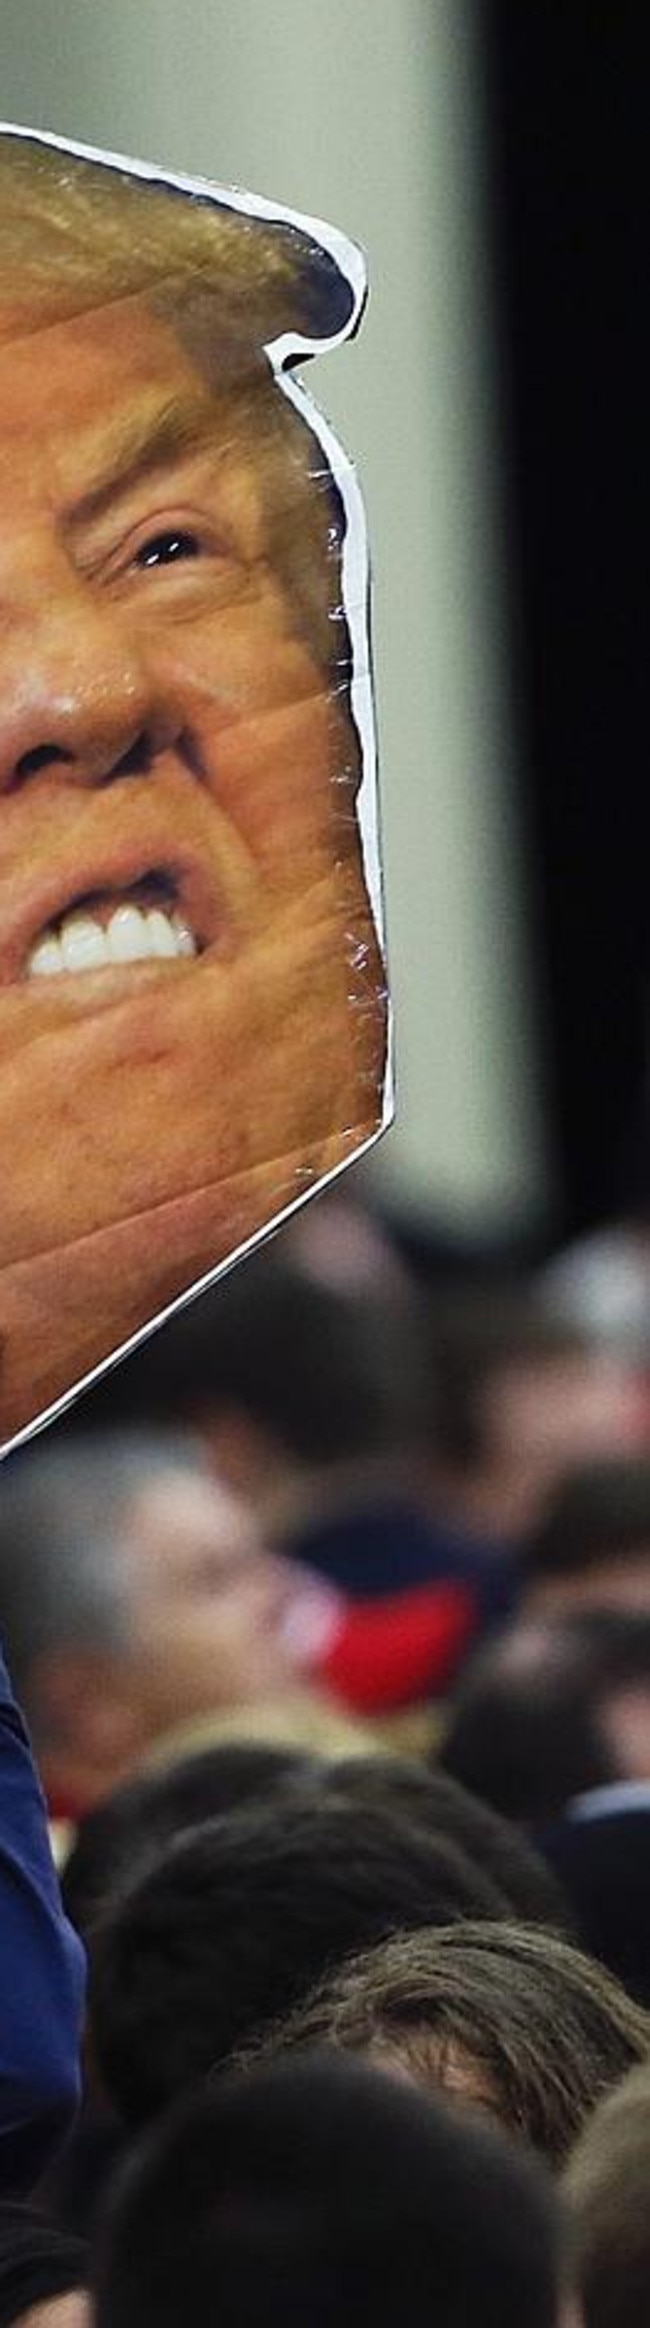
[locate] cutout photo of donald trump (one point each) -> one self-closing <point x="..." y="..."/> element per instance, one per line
<point x="193" y="1018"/>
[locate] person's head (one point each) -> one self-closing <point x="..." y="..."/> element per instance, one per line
<point x="445" y="1810"/>
<point x="591" y="1547"/>
<point x="319" y="2191"/>
<point x="193" y="1008"/>
<point x="607" y="2187"/>
<point x="285" y="1377"/>
<point x="550" y="1710"/>
<point x="600" y="1854"/>
<point x="44" y="2272"/>
<point x="145" y="1812"/>
<point x="505" y="2017"/>
<point x="517" y="1395"/>
<point x="236" y="1920"/>
<point x="136" y="1594"/>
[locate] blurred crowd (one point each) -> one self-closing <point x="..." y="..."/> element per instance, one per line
<point x="328" y="1618"/>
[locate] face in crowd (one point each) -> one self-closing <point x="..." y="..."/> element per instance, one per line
<point x="191" y="997"/>
<point x="200" y="1619"/>
<point x="217" y="1619"/>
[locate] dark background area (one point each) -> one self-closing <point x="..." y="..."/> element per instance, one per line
<point x="569" y="98"/>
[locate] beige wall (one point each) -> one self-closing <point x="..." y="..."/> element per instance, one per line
<point x="368" y="112"/>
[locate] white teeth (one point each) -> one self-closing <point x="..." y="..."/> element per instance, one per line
<point x="131" y="935"/>
<point x="126" y="936"/>
<point x="45" y="959"/>
<point x="161" y="935"/>
<point x="82" y="943"/>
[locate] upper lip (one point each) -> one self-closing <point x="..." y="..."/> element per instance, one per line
<point x="48" y="895"/>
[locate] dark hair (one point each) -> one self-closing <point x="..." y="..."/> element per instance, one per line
<point x="321" y="2191"/>
<point x="525" y="1727"/>
<point x="126" y="1830"/>
<point x="37" y="2261"/>
<point x="474" y="1335"/>
<point x="237" y="1919"/>
<point x="331" y="1373"/>
<point x="603" y="1863"/>
<point x="600" y="1513"/>
<point x="547" y="2029"/>
<point x="433" y="1800"/>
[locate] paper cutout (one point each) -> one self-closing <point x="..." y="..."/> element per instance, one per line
<point x="193" y="1013"/>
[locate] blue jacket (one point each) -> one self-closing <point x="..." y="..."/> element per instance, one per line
<point x="42" y="1972"/>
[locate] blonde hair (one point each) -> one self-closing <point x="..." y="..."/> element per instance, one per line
<point x="77" y="235"/>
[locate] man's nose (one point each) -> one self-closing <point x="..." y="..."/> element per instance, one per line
<point x="76" y="696"/>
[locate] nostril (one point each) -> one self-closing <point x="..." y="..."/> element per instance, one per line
<point x="42" y="756"/>
<point x="96" y="753"/>
<point x="138" y="760"/>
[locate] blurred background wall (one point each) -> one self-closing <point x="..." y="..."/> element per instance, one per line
<point x="381" y="118"/>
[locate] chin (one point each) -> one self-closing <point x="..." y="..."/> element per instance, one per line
<point x="172" y="1127"/>
<point x="67" y="1310"/>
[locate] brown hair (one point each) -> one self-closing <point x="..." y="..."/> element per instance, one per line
<point x="607" y="2185"/>
<point x="547" y="2030"/>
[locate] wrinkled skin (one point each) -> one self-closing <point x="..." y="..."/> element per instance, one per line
<point x="163" y="717"/>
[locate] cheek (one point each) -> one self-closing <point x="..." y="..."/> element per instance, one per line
<point x="271" y="741"/>
<point x="184" y="1657"/>
<point x="229" y="653"/>
<point x="213" y="1658"/>
<point x="288" y="780"/>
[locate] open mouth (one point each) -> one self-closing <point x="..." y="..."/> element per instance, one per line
<point x="103" y="929"/>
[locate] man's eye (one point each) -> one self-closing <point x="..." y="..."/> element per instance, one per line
<point x="166" y="549"/>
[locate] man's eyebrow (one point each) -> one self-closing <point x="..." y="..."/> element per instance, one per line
<point x="147" y="441"/>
